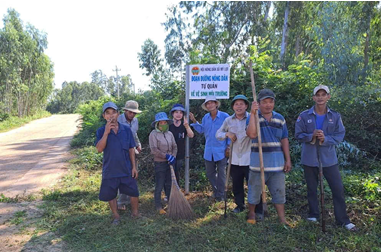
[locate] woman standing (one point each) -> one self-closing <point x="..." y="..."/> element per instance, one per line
<point x="163" y="147"/>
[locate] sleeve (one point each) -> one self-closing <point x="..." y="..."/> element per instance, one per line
<point x="154" y="147"/>
<point x="137" y="141"/>
<point x="174" y="145"/>
<point x="284" y="130"/>
<point x="300" y="131"/>
<point x="221" y="132"/>
<point x="198" y="127"/>
<point x="99" y="135"/>
<point x="338" y="135"/>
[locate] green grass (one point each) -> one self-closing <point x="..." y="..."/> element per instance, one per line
<point x="15" y="122"/>
<point x="75" y="214"/>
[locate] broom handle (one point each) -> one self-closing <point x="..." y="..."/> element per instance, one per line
<point x="259" y="137"/>
<point x="229" y="166"/>
<point x="173" y="177"/>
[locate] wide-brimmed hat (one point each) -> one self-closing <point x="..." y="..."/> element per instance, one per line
<point x="109" y="105"/>
<point x="320" y="87"/>
<point x="210" y="98"/>
<point x="161" y="116"/>
<point x="239" y="97"/>
<point x="132" y="106"/>
<point x="178" y="107"/>
<point x="266" y="93"/>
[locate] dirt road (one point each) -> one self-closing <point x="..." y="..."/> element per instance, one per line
<point x="33" y="156"/>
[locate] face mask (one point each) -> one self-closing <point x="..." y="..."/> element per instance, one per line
<point x="163" y="128"/>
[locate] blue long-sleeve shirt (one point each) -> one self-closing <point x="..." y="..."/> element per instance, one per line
<point x="334" y="132"/>
<point x="214" y="148"/>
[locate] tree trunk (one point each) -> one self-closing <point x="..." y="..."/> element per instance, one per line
<point x="284" y="36"/>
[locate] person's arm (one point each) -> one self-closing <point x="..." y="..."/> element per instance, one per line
<point x="174" y="145"/>
<point x="251" y="130"/>
<point x="337" y="136"/>
<point x="223" y="132"/>
<point x="101" y="145"/>
<point x="134" y="171"/>
<point x="190" y="133"/>
<point x="286" y="153"/>
<point x="137" y="141"/>
<point x="197" y="126"/>
<point x="301" y="132"/>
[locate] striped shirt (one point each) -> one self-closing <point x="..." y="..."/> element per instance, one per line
<point x="272" y="132"/>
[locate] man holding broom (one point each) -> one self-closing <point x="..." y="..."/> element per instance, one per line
<point x="321" y="129"/>
<point x="276" y="154"/>
<point x="234" y="127"/>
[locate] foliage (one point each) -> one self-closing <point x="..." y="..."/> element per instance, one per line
<point x="26" y="73"/>
<point x="15" y="121"/>
<point x="88" y="157"/>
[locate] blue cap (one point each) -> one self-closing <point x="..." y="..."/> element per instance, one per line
<point x="177" y="106"/>
<point x="161" y="116"/>
<point x="109" y="105"/>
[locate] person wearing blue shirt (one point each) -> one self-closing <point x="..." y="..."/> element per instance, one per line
<point x="119" y="171"/>
<point x="275" y="151"/>
<point x="321" y="129"/>
<point x="214" y="153"/>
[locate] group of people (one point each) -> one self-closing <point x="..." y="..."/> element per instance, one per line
<point x="318" y="129"/>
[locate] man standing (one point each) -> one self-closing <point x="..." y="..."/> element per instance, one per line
<point x="119" y="171"/>
<point x="276" y="154"/>
<point x="214" y="153"/>
<point x="128" y="118"/>
<point x="234" y="128"/>
<point x="321" y="129"/>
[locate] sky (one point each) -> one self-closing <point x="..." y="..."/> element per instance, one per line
<point x="84" y="36"/>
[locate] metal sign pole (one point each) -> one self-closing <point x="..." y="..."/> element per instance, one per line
<point x="187" y="138"/>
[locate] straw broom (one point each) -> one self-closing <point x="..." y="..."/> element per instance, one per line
<point x="178" y="206"/>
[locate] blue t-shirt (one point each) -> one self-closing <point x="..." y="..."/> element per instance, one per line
<point x="116" y="157"/>
<point x="319" y="121"/>
<point x="272" y="132"/>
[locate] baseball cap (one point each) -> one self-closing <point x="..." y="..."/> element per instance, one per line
<point x="324" y="87"/>
<point x="265" y="93"/>
<point x="109" y="105"/>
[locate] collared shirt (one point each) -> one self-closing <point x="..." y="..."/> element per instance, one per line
<point x="242" y="146"/>
<point x="272" y="132"/>
<point x="116" y="157"/>
<point x="214" y="148"/>
<point x="334" y="132"/>
<point x="134" y="125"/>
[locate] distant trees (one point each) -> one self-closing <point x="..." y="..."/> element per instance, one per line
<point x="26" y="73"/>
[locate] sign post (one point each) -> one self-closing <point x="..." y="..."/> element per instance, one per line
<point x="201" y="81"/>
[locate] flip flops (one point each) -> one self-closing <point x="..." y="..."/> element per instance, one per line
<point x="115" y="222"/>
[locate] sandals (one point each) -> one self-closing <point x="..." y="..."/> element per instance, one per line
<point x="115" y="222"/>
<point x="351" y="227"/>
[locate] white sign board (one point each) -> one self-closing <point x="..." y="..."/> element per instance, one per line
<point x="211" y="79"/>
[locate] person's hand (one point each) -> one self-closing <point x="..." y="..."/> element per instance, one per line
<point x="139" y="148"/>
<point x="185" y="123"/>
<point x="320" y="135"/>
<point x="134" y="173"/>
<point x="109" y="126"/>
<point x="232" y="136"/>
<point x="287" y="166"/>
<point x="254" y="107"/>
<point x="171" y="159"/>
<point x="191" y="116"/>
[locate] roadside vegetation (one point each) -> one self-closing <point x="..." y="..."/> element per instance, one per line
<point x="11" y="122"/>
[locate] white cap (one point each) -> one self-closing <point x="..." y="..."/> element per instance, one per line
<point x="324" y="87"/>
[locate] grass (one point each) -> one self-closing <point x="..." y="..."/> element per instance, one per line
<point x="75" y="214"/>
<point x="15" y="122"/>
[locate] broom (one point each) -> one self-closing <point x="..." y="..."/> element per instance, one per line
<point x="227" y="176"/>
<point x="264" y="201"/>
<point x="178" y="206"/>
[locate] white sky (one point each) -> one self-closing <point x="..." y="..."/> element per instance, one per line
<point x="84" y="36"/>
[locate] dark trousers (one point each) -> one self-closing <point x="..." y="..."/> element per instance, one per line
<point x="162" y="180"/>
<point x="333" y="177"/>
<point x="239" y="174"/>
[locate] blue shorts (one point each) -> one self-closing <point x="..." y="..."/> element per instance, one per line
<point x="275" y="181"/>
<point x="126" y="185"/>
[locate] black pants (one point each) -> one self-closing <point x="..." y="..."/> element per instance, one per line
<point x="239" y="174"/>
<point x="162" y="180"/>
<point x="333" y="177"/>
